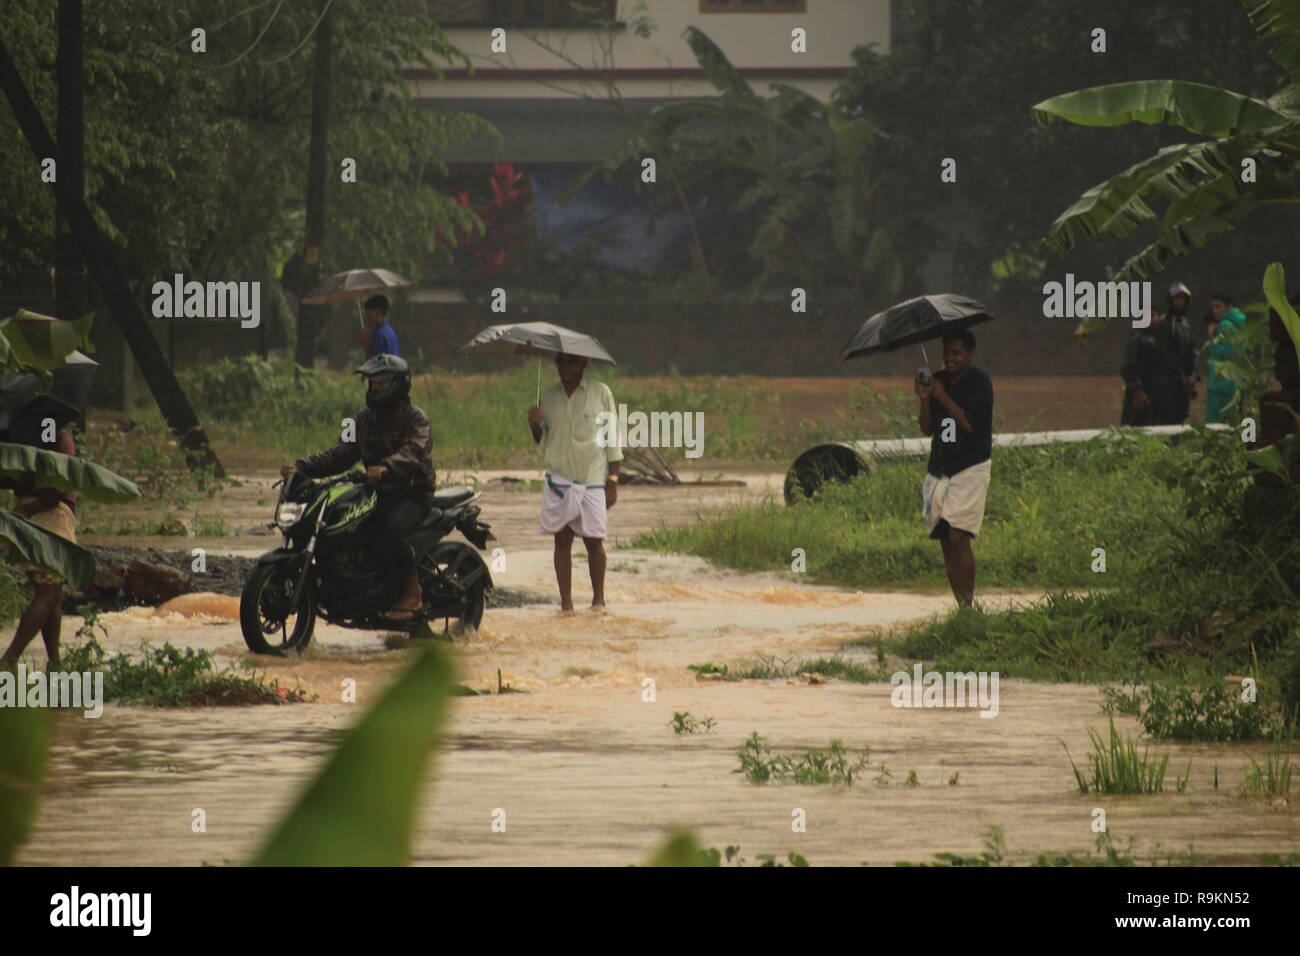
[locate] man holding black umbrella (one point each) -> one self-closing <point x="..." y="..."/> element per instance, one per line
<point x="956" y="408"/>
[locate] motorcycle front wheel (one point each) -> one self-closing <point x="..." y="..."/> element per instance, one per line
<point x="270" y="623"/>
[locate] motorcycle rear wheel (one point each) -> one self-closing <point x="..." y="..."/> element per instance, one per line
<point x="265" y="610"/>
<point x="445" y="590"/>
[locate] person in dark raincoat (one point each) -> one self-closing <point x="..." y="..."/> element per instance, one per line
<point x="1160" y="366"/>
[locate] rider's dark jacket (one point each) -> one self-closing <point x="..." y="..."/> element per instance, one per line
<point x="398" y="439"/>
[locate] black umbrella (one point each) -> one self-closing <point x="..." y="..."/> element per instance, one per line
<point x="72" y="382"/>
<point x="24" y="409"/>
<point x="15" y="392"/>
<point x="917" y="320"/>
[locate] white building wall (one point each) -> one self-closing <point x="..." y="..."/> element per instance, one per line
<point x="749" y="40"/>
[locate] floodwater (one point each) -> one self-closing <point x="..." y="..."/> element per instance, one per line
<point x="589" y="772"/>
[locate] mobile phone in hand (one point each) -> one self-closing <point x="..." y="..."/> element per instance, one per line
<point x="923" y="376"/>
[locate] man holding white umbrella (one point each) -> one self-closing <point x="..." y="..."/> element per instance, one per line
<point x="581" y="481"/>
<point x="582" y="463"/>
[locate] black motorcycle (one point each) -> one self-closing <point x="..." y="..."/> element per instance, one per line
<point x="334" y="564"/>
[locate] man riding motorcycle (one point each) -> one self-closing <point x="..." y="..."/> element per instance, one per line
<point x="393" y="443"/>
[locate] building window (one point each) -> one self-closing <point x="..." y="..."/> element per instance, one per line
<point x="515" y="13"/>
<point x="753" y="6"/>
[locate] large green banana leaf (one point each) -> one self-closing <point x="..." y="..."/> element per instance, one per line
<point x="33" y="544"/>
<point x="1275" y="292"/>
<point x="1118" y="207"/>
<point x="1207" y="110"/>
<point x="362" y="808"/>
<point x="43" y="342"/>
<point x="66" y="473"/>
<point x="725" y="77"/>
<point x="1278" y="21"/>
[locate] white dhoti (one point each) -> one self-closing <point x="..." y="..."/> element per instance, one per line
<point x="567" y="504"/>
<point x="957" y="499"/>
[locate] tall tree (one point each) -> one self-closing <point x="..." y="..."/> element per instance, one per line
<point x="195" y="161"/>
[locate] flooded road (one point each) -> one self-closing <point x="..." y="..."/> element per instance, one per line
<point x="589" y="772"/>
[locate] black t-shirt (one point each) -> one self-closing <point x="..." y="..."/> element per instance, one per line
<point x="974" y="396"/>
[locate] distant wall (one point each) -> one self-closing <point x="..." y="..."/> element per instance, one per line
<point x="719" y="338"/>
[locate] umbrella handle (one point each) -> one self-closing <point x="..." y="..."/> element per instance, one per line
<point x="539" y="381"/>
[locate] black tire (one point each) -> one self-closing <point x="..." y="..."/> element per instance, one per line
<point x="262" y="608"/>
<point x="439" y="585"/>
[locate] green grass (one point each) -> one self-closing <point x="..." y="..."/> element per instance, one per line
<point x="1048" y="508"/>
<point x="1115" y="767"/>
<point x="1273" y="777"/>
<point x="480" y="420"/>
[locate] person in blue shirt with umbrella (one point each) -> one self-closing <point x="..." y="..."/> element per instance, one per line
<point x="380" y="339"/>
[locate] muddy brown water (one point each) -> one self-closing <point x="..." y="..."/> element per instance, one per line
<point x="587" y="770"/>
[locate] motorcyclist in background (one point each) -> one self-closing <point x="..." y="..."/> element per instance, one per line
<point x="393" y="443"/>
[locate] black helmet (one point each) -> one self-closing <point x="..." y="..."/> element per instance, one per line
<point x="386" y="367"/>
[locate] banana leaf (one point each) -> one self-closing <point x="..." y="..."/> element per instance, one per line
<point x="717" y="68"/>
<point x="24" y="753"/>
<point x="43" y="342"/>
<point x="1279" y="21"/>
<point x="1279" y="458"/>
<point x="33" y="544"/>
<point x="362" y="808"/>
<point x="66" y="473"/>
<point x="1275" y="292"/>
<point x="1183" y="174"/>
<point x="1207" y="110"/>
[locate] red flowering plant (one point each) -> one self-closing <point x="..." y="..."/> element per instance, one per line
<point x="507" y="225"/>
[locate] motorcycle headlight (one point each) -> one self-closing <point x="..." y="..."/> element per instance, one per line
<point x="287" y="515"/>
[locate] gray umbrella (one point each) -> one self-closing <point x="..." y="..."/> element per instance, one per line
<point x="537" y="338"/>
<point x="354" y="284"/>
<point x="917" y="320"/>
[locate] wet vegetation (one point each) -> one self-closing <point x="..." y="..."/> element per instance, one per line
<point x="170" y="677"/>
<point x="774" y="668"/>
<point x="681" y="849"/>
<point x="1106" y="853"/>
<point x="684" y="722"/>
<point x="1207" y="710"/>
<point x="1272" y="778"/>
<point x="1116" y="767"/>
<point x="832" y="765"/>
<point x="1199" y="582"/>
